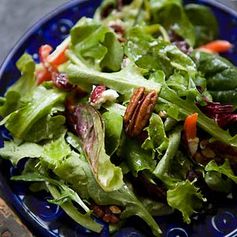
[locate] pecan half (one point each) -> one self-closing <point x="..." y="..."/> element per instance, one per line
<point x="109" y="214"/>
<point x="139" y="111"/>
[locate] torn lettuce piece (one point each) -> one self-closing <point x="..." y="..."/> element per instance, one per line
<point x="186" y="198"/>
<point x="224" y="169"/>
<point x="21" y="87"/>
<point x="136" y="158"/>
<point x="90" y="129"/>
<point x="96" y="45"/>
<point x="163" y="167"/>
<point x="217" y="182"/>
<point x="49" y="127"/>
<point x="41" y="102"/>
<point x="204" y="22"/>
<point x="157" y="139"/>
<point x="113" y="129"/>
<point x="54" y="152"/>
<point x="15" y="152"/>
<point x="220" y="76"/>
<point x="171" y="15"/>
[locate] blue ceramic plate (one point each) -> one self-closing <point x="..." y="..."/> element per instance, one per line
<point x="46" y="220"/>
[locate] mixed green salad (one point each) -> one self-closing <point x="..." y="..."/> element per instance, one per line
<point x="132" y="115"/>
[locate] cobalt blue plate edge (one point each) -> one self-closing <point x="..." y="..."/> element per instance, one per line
<point x="48" y="220"/>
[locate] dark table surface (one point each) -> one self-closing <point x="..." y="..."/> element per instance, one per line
<point x="16" y="16"/>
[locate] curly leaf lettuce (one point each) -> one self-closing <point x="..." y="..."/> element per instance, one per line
<point x="186" y="198"/>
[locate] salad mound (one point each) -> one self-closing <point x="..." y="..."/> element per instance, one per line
<point x="132" y="115"/>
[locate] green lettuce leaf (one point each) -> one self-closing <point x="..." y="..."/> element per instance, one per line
<point x="153" y="54"/>
<point x="224" y="169"/>
<point x="204" y="22"/>
<point x="23" y="86"/>
<point x="96" y="44"/>
<point x="163" y="167"/>
<point x="41" y="103"/>
<point x="171" y="15"/>
<point x="55" y="151"/>
<point x="156" y="208"/>
<point x="136" y="158"/>
<point x="82" y="219"/>
<point x="184" y="85"/>
<point x="113" y="129"/>
<point x="186" y="198"/>
<point x="123" y="81"/>
<point x="220" y="75"/>
<point x="49" y="127"/>
<point x="157" y="139"/>
<point x="217" y="182"/>
<point x="15" y="152"/>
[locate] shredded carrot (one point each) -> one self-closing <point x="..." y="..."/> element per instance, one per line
<point x="42" y="75"/>
<point x="50" y="61"/>
<point x="44" y="52"/>
<point x="190" y="126"/>
<point x="217" y="46"/>
<point x="59" y="56"/>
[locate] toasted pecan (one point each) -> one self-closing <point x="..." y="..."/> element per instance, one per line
<point x="139" y="111"/>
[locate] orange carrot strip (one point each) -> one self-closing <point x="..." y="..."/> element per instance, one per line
<point x="42" y="75"/>
<point x="190" y="126"/>
<point x="58" y="56"/>
<point x="217" y="46"/>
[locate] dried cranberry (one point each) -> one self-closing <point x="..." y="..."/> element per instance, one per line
<point x="222" y="114"/>
<point x="60" y="80"/>
<point x="179" y="42"/>
<point x="118" y="29"/>
<point x="96" y="93"/>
